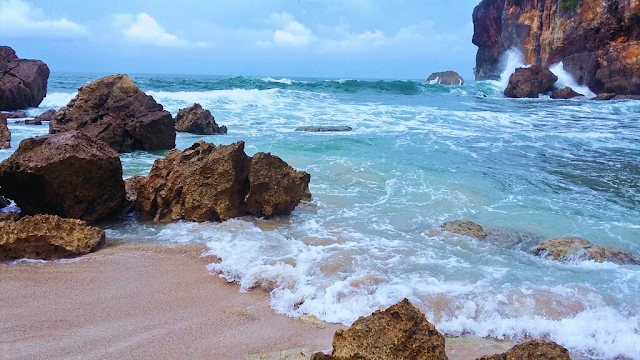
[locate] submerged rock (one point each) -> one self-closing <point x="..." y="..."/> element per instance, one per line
<point x="530" y="82"/>
<point x="197" y="120"/>
<point x="47" y="237"/>
<point x="71" y="175"/>
<point x="114" y="110"/>
<point x="445" y="78"/>
<point x="535" y="349"/>
<point x="324" y="128"/>
<point x="400" y="332"/>
<point x="577" y="248"/>
<point x="23" y="83"/>
<point x="5" y="134"/>
<point x="565" y="93"/>
<point x="46" y="116"/>
<point x="464" y="227"/>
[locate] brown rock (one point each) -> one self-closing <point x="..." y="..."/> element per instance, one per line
<point x="114" y="110"/>
<point x="400" y="332"/>
<point x="565" y="93"/>
<point x="46" y="116"/>
<point x="23" y="83"/>
<point x="15" y="115"/>
<point x="29" y="122"/>
<point x="197" y="120"/>
<point x="5" y="134"/>
<point x="568" y="248"/>
<point x="131" y="186"/>
<point x="604" y="96"/>
<point x="464" y="227"/>
<point x="530" y="82"/>
<point x="445" y="78"/>
<point x="533" y="350"/>
<point x="71" y="175"/>
<point x="10" y="216"/>
<point x="47" y="237"/>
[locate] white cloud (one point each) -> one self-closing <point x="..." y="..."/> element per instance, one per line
<point x="290" y="33"/>
<point x="144" y="29"/>
<point x="19" y="19"/>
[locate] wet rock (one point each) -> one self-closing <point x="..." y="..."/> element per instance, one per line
<point x="324" y="128"/>
<point x="131" y="186"/>
<point x="604" y="96"/>
<point x="196" y="120"/>
<point x="577" y="248"/>
<point x="114" y="110"/>
<point x="10" y="216"/>
<point x="445" y="78"/>
<point x="530" y="82"/>
<point x="464" y="227"/>
<point x="5" y="134"/>
<point x="46" y="116"/>
<point x="535" y="349"/>
<point x="400" y="332"/>
<point x="15" y="115"/>
<point x="71" y="175"/>
<point x="565" y="93"/>
<point x="23" y="83"/>
<point x="47" y="237"/>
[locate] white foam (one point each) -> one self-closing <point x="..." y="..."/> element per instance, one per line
<point x="278" y="81"/>
<point x="566" y="80"/>
<point x="510" y="61"/>
<point x="57" y="100"/>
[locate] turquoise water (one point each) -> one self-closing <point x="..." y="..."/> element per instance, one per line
<point x="419" y="155"/>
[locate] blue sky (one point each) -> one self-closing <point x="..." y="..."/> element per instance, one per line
<point x="304" y="38"/>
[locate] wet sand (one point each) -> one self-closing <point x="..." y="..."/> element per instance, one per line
<point x="153" y="301"/>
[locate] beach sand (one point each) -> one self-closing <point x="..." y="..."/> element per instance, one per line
<point x="154" y="301"/>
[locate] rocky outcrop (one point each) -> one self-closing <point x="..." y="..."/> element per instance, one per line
<point x="400" y="332"/>
<point x="5" y="134"/>
<point x="196" y="120"/>
<point x="47" y="237"/>
<point x="114" y="110"/>
<point x="23" y="83"/>
<point x="530" y="82"/>
<point x="464" y="227"/>
<point x="446" y="78"/>
<point x="216" y="183"/>
<point x="535" y="349"/>
<point x="597" y="41"/>
<point x="565" y="93"/>
<point x="71" y="175"/>
<point x="324" y="128"/>
<point x="577" y="248"/>
<point x="15" y="115"/>
<point x="46" y="116"/>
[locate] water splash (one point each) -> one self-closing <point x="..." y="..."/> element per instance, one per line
<point x="566" y="80"/>
<point x="510" y="61"/>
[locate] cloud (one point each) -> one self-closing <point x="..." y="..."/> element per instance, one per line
<point x="19" y="19"/>
<point x="144" y="29"/>
<point x="290" y="33"/>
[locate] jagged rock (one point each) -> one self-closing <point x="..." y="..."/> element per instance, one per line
<point x="15" y="115"/>
<point x="112" y="109"/>
<point x="464" y="227"/>
<point x="535" y="349"/>
<point x="324" y="128"/>
<point x="445" y="78"/>
<point x="565" y="93"/>
<point x="530" y="82"/>
<point x="71" y="175"/>
<point x="196" y="120"/>
<point x="47" y="237"/>
<point x="577" y="248"/>
<point x="5" y="134"/>
<point x="400" y="332"/>
<point x="46" y="116"/>
<point x="23" y="83"/>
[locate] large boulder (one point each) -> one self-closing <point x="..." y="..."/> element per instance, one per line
<point x="23" y="83"/>
<point x="464" y="227"/>
<point x="197" y="120"/>
<point x="577" y="248"/>
<point x="400" y="332"/>
<point x="445" y="78"/>
<point x="114" y="110"/>
<point x="530" y="82"/>
<point x="5" y="134"/>
<point x="565" y="93"/>
<point x="534" y="349"/>
<point x="47" y="237"/>
<point x="71" y="175"/>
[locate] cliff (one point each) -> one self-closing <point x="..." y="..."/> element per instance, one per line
<point x="597" y="40"/>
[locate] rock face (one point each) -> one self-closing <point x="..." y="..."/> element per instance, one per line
<point x="445" y="78"/>
<point x="5" y="134"/>
<point x="71" y="175"/>
<point x="565" y="93"/>
<point x="324" y="128"/>
<point x="197" y="120"/>
<point x="577" y="248"/>
<point x="46" y="116"/>
<point x="464" y="227"/>
<point x="597" y="41"/>
<point x="535" y="349"/>
<point x="530" y="82"/>
<point x="47" y="237"/>
<point x="23" y="83"/>
<point x="400" y="332"/>
<point x="216" y="183"/>
<point x="15" y="115"/>
<point x="114" y="110"/>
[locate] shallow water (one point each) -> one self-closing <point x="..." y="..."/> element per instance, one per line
<point x="419" y="155"/>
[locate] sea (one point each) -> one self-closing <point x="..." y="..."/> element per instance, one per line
<point x="527" y="170"/>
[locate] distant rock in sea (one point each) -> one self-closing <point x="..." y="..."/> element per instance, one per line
<point x="445" y="78"/>
<point x="196" y="120"/>
<point x="530" y="82"/>
<point x="324" y="128"/>
<point x="581" y="249"/>
<point x="565" y="93"/>
<point x="46" y="116"/>
<point x="23" y="83"/>
<point x="464" y="227"/>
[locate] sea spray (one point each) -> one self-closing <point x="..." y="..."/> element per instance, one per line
<point x="509" y="62"/>
<point x="566" y="80"/>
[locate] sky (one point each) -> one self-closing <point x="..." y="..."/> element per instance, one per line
<point x="395" y="39"/>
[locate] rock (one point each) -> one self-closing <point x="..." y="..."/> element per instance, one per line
<point x="535" y="349"/>
<point x="577" y="248"/>
<point x="530" y="82"/>
<point x="23" y="83"/>
<point x="114" y="110"/>
<point x="464" y="227"/>
<point x="400" y="332"/>
<point x="47" y="237"/>
<point x="16" y="115"/>
<point x="131" y="186"/>
<point x="197" y="120"/>
<point x="29" y="122"/>
<point x="604" y="96"/>
<point x="71" y="175"/>
<point x="46" y="116"/>
<point x="10" y="216"/>
<point x="565" y="93"/>
<point x="275" y="188"/>
<point x="324" y="128"/>
<point x="626" y="97"/>
<point x="445" y="78"/>
<point x="5" y="134"/>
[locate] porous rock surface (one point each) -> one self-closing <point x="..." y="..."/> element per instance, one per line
<point x="464" y="227"/>
<point x="5" y="134"/>
<point x="533" y="350"/>
<point x="578" y="248"/>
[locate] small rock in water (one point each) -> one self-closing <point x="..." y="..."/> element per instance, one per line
<point x="15" y="115"/>
<point x="46" y="116"/>
<point x="196" y="120"/>
<point x="604" y="96"/>
<point x="533" y="350"/>
<point x="324" y="128"/>
<point x="565" y="93"/>
<point x="464" y="227"/>
<point x="530" y="82"/>
<point x="577" y="248"/>
<point x="445" y="78"/>
<point x="29" y="122"/>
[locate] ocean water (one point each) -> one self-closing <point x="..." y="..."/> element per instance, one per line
<point x="419" y="155"/>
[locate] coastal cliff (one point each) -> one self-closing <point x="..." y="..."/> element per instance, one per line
<point x="597" y="41"/>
